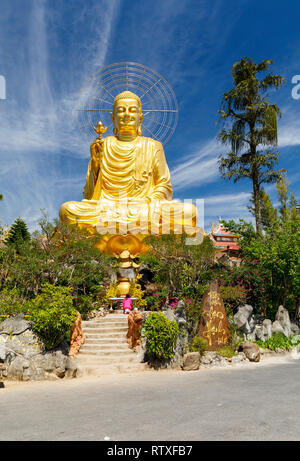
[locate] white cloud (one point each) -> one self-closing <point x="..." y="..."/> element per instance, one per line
<point x="289" y="128"/>
<point x="227" y="206"/>
<point x="38" y="124"/>
<point x="197" y="169"/>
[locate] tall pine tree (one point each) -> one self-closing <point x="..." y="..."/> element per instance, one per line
<point x="18" y="232"/>
<point x="252" y="133"/>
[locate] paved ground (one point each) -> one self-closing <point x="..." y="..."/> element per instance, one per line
<point x="254" y="402"/>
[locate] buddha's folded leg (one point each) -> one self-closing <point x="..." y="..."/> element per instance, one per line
<point x="85" y="212"/>
<point x="178" y="217"/>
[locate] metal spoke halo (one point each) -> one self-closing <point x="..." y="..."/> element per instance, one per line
<point x="159" y="104"/>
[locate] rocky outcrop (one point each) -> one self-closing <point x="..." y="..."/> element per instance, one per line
<point x="243" y="319"/>
<point x="135" y="320"/>
<point x="24" y="357"/>
<point x="214" y="325"/>
<point x="191" y="361"/>
<point x="255" y="327"/>
<point x="77" y="336"/>
<point x="282" y="320"/>
<point x="251" y="351"/>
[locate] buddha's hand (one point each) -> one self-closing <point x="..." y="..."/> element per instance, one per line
<point x="96" y="149"/>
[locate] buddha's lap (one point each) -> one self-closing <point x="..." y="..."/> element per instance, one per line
<point x="92" y="209"/>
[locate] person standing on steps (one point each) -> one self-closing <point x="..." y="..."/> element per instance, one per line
<point x="127" y="304"/>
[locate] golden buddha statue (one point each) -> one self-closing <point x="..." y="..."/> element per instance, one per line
<point x="128" y="188"/>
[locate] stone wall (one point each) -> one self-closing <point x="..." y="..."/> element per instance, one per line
<point x="24" y="357"/>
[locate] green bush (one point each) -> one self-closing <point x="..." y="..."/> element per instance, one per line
<point x="226" y="351"/>
<point x="295" y="340"/>
<point x="277" y="341"/>
<point x="150" y="300"/>
<point x="233" y="297"/>
<point x="11" y="303"/>
<point x="161" y="335"/>
<point x="53" y="314"/>
<point x="85" y="304"/>
<point x="198" y="344"/>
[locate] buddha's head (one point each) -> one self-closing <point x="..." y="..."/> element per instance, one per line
<point x="127" y="115"/>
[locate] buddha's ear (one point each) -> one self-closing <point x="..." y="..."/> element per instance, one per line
<point x="112" y="116"/>
<point x="141" y="118"/>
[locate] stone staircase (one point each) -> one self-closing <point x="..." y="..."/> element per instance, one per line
<point x="105" y="349"/>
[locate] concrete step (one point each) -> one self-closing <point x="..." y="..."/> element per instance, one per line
<point x="106" y="335"/>
<point x="98" y="360"/>
<point x="105" y="347"/>
<point x="104" y="329"/>
<point x="105" y="369"/>
<point x="123" y="318"/>
<point x="105" y="325"/>
<point x="116" y="352"/>
<point x="100" y="340"/>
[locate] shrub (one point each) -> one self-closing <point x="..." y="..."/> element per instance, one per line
<point x="295" y="340"/>
<point x="161" y="335"/>
<point x="53" y="314"/>
<point x="11" y="303"/>
<point x="150" y="300"/>
<point x="112" y="292"/>
<point x="233" y="297"/>
<point x="136" y="292"/>
<point x="85" y="304"/>
<point x="226" y="351"/>
<point x="198" y="344"/>
<point x="277" y="341"/>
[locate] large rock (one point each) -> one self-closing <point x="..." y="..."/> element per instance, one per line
<point x="25" y="357"/>
<point x="251" y="351"/>
<point x="191" y="361"/>
<point x="282" y="316"/>
<point x="77" y="337"/>
<point x="277" y="328"/>
<point x="135" y="321"/>
<point x="169" y="314"/>
<point x="183" y="338"/>
<point x="295" y="330"/>
<point x="267" y="328"/>
<point x="14" y="325"/>
<point x="214" y="325"/>
<point x="26" y="343"/>
<point x="243" y="319"/>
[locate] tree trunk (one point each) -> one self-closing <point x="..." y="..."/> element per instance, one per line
<point x="257" y="207"/>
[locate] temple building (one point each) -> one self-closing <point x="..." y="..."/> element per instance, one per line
<point x="226" y="245"/>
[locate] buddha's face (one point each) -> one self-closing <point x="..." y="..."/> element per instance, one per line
<point x="127" y="117"/>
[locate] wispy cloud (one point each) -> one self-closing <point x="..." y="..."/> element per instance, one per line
<point x="226" y="206"/>
<point x="39" y="124"/>
<point x="289" y="130"/>
<point x="199" y="168"/>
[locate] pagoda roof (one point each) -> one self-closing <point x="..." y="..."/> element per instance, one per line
<point x="220" y="231"/>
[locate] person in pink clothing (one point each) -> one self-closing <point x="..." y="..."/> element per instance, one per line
<point x="127" y="304"/>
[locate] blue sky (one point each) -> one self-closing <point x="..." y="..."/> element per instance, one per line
<point x="49" y="48"/>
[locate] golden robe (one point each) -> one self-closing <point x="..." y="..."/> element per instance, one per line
<point x="130" y="193"/>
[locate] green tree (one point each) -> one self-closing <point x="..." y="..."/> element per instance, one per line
<point x="1" y="196"/>
<point x="253" y="131"/>
<point x="268" y="212"/>
<point x="58" y="254"/>
<point x="271" y="263"/>
<point x="18" y="233"/>
<point x="52" y="314"/>
<point x="181" y="269"/>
